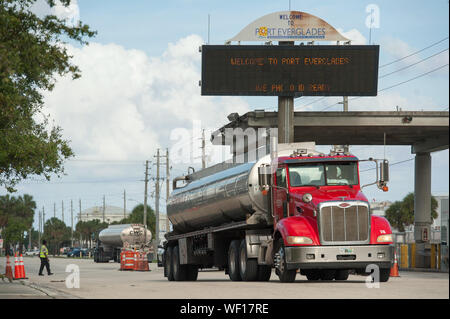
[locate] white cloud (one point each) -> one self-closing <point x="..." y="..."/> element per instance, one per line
<point x="126" y="103"/>
<point x="71" y="13"/>
<point x="354" y="35"/>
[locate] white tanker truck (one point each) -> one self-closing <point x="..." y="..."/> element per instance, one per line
<point x="112" y="239"/>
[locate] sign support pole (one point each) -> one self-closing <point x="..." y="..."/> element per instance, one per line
<point x="286" y="113"/>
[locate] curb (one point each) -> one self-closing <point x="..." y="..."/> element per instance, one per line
<point x="51" y="292"/>
<point x="424" y="270"/>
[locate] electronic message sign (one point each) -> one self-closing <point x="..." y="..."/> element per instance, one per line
<point x="288" y="70"/>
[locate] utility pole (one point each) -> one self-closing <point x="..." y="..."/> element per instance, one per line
<point x="157" y="194"/>
<point x="145" y="201"/>
<point x="71" y="217"/>
<point x="124" y="204"/>
<point x="167" y="188"/>
<point x="103" y="208"/>
<point x="39" y="227"/>
<point x="62" y="210"/>
<point x="203" y="150"/>
<point x="79" y="218"/>
<point x="345" y="104"/>
<point x="43" y="219"/>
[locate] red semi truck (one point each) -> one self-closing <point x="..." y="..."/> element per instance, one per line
<point x="296" y="209"/>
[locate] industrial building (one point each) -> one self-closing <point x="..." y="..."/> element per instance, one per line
<point x="109" y="215"/>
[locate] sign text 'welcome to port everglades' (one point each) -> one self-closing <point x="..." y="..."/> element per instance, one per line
<point x="290" y="70"/>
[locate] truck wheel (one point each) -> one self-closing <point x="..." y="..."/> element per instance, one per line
<point x="168" y="264"/>
<point x="284" y="274"/>
<point x="327" y="274"/>
<point x="384" y="274"/>
<point x="264" y="273"/>
<point x="192" y="272"/>
<point x="248" y="267"/>
<point x="233" y="261"/>
<point x="341" y="274"/>
<point x="179" y="271"/>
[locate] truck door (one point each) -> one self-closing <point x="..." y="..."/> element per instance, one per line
<point x="279" y="193"/>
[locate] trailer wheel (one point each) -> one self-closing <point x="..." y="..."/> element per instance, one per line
<point x="233" y="261"/>
<point x="168" y="264"/>
<point x="248" y="267"/>
<point x="264" y="273"/>
<point x="191" y="272"/>
<point x="384" y="274"/>
<point x="179" y="271"/>
<point x="284" y="274"/>
<point x="341" y="274"/>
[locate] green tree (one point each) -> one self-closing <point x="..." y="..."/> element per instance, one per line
<point x="57" y="234"/>
<point x="32" y="53"/>
<point x="16" y="217"/>
<point x="89" y="230"/>
<point x="401" y="214"/>
<point x="34" y="238"/>
<point x="137" y="217"/>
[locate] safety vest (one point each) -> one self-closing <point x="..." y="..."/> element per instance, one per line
<point x="44" y="252"/>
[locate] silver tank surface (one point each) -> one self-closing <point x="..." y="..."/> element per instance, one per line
<point x="223" y="193"/>
<point x="118" y="235"/>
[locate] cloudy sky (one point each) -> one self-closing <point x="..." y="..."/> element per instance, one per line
<point x="139" y="89"/>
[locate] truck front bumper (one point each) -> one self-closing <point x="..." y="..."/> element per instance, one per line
<point x="339" y="257"/>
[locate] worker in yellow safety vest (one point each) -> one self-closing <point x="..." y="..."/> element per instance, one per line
<point x="44" y="259"/>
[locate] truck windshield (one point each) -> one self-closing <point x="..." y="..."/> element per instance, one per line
<point x="321" y="174"/>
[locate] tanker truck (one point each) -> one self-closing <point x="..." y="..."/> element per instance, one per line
<point x="296" y="210"/>
<point x="111" y="240"/>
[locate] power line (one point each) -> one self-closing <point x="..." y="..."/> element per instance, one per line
<point x="395" y="85"/>
<point x="406" y="67"/>
<point x="414" y="53"/>
<point x="400" y="162"/>
<point x="419" y="76"/>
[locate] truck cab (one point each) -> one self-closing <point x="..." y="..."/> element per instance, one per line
<point x="322" y="221"/>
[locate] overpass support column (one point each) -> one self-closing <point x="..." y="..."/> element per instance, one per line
<point x="422" y="208"/>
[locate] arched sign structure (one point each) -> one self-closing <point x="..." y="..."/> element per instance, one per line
<point x="289" y="26"/>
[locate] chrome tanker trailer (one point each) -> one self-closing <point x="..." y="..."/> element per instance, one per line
<point x="295" y="209"/>
<point x="112" y="239"/>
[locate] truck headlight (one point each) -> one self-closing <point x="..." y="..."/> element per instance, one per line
<point x="385" y="238"/>
<point x="295" y="240"/>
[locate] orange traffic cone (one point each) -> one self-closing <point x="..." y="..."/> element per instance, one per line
<point x="22" y="268"/>
<point x="394" y="268"/>
<point x="8" y="271"/>
<point x="16" y="267"/>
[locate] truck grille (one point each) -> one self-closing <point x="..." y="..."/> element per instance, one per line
<point x="343" y="225"/>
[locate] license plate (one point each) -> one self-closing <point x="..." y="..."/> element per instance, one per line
<point x="346" y="250"/>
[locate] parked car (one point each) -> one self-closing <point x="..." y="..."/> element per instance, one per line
<point x="76" y="253"/>
<point x="34" y="252"/>
<point x="65" y="250"/>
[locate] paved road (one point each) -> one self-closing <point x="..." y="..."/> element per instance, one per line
<point x="106" y="281"/>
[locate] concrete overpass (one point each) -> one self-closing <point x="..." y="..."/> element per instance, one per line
<point x="425" y="132"/>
